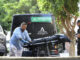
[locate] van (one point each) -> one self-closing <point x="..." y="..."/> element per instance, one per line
<point x="39" y="25"/>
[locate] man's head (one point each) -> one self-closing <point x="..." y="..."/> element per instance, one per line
<point x="23" y="26"/>
<point x="78" y="22"/>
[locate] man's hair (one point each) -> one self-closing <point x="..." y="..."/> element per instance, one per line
<point x="23" y="23"/>
<point x="78" y="21"/>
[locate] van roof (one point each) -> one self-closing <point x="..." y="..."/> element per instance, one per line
<point x="33" y="14"/>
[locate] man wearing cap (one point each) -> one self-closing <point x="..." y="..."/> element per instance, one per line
<point x="19" y="37"/>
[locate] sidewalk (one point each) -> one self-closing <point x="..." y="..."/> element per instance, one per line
<point x="39" y="58"/>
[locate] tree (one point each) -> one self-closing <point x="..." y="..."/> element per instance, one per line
<point x="11" y="7"/>
<point x="66" y="13"/>
<point x="5" y="24"/>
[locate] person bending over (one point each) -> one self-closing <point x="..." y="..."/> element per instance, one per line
<point x="19" y="37"/>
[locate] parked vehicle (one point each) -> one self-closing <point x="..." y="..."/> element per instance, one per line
<point x="3" y="49"/>
<point x="39" y="25"/>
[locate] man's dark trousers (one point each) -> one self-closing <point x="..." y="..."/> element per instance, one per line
<point x="78" y="47"/>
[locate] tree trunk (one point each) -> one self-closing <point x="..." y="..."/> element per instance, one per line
<point x="66" y="24"/>
<point x="73" y="42"/>
<point x="70" y="34"/>
<point x="72" y="48"/>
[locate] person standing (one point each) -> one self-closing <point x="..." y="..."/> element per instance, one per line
<point x="78" y="36"/>
<point x="19" y="37"/>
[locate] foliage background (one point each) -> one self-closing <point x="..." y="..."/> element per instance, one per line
<point x="10" y="7"/>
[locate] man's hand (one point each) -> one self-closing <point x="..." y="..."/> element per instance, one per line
<point x="30" y="41"/>
<point x="26" y="42"/>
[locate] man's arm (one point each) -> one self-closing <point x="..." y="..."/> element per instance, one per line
<point x="19" y="37"/>
<point x="27" y="36"/>
<point x="17" y="33"/>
